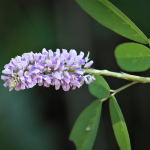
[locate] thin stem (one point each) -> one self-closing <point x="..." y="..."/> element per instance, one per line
<point x="118" y="75"/>
<point x="112" y="90"/>
<point x="118" y="90"/>
<point x="122" y="88"/>
<point x="104" y="99"/>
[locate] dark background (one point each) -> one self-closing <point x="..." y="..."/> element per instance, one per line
<point x="41" y="118"/>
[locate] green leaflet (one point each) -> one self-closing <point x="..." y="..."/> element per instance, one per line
<point x="133" y="57"/>
<point x="111" y="17"/>
<point x="85" y="128"/>
<point x="119" y="125"/>
<point x="99" y="88"/>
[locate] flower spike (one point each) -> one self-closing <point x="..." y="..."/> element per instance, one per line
<point x="47" y="68"/>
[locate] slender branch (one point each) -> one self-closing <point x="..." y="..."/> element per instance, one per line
<point x="118" y="90"/>
<point x="118" y="75"/>
<point x="122" y="88"/>
<point x="112" y="90"/>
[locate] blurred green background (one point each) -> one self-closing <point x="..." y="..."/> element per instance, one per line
<point x="41" y="118"/>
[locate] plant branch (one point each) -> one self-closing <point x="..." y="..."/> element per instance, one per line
<point x="118" y="90"/>
<point x="122" y="88"/>
<point x="118" y="75"/>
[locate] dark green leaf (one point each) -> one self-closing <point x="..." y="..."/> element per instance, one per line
<point x="111" y="17"/>
<point x="85" y="128"/>
<point x="119" y="125"/>
<point x="133" y="57"/>
<point x="99" y="88"/>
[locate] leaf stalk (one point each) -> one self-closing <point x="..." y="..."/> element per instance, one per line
<point x="118" y="90"/>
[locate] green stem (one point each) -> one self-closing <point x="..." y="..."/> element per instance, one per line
<point x="122" y="88"/>
<point x="118" y="90"/>
<point x="118" y="75"/>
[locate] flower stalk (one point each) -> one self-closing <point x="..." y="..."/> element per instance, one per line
<point x="118" y="75"/>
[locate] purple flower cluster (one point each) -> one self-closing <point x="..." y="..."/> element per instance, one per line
<point x="49" y="68"/>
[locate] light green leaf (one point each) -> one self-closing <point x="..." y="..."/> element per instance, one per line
<point x="85" y="128"/>
<point x="111" y="17"/>
<point x="99" y="88"/>
<point x="119" y="125"/>
<point x="133" y="57"/>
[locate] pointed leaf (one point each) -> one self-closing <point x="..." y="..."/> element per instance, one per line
<point x="133" y="57"/>
<point x="111" y="17"/>
<point x="99" y="88"/>
<point x="119" y="125"/>
<point x="85" y="128"/>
